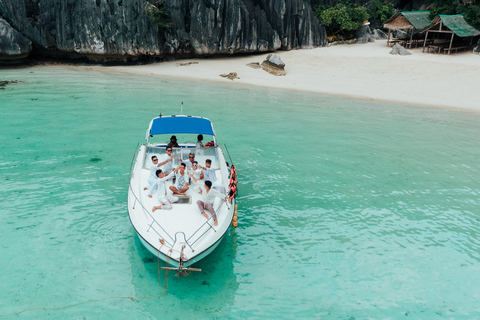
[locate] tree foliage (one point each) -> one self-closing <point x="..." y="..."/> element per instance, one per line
<point x="156" y="11"/>
<point x="342" y="18"/>
<point x="380" y="11"/>
<point x="470" y="9"/>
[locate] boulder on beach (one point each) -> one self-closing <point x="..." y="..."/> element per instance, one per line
<point x="231" y="75"/>
<point x="398" y="49"/>
<point x="254" y="65"/>
<point x="273" y="64"/>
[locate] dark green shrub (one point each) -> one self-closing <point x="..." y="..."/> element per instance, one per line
<point x="156" y="11"/>
<point x="380" y="11"/>
<point x="342" y="18"/>
<point x="471" y="10"/>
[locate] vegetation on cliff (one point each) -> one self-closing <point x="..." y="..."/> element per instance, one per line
<point x="470" y="9"/>
<point x="346" y="17"/>
<point x="156" y="11"/>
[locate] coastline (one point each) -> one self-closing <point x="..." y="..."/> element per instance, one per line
<point x="365" y="71"/>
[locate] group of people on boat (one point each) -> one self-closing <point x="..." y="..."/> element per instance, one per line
<point x="188" y="174"/>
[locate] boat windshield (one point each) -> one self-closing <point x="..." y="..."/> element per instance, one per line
<point x="185" y="140"/>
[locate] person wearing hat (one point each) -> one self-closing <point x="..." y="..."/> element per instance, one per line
<point x="173" y="142"/>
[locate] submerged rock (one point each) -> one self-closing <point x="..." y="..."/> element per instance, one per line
<point x="273" y="64"/>
<point x="398" y="49"/>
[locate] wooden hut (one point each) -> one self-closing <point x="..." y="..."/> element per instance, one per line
<point x="449" y="26"/>
<point x="411" y="21"/>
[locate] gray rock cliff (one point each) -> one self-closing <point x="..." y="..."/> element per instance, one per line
<point x="119" y="29"/>
<point x="13" y="45"/>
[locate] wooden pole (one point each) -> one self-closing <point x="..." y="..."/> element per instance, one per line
<point x="451" y="41"/>
<point x="425" y="42"/>
<point x="411" y="39"/>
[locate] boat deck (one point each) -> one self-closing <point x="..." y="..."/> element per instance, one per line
<point x="183" y="224"/>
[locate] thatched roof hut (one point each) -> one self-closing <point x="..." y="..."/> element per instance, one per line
<point x="416" y="20"/>
<point x="454" y="25"/>
<point x="412" y="21"/>
<point x="451" y="24"/>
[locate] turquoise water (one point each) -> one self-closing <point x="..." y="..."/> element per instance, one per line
<point x="348" y="209"/>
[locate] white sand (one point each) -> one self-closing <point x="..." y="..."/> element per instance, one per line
<point x="360" y="70"/>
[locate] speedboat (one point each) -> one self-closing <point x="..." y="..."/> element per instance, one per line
<point x="181" y="235"/>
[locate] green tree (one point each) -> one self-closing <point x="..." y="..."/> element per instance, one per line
<point x="381" y="10"/>
<point x="342" y="18"/>
<point x="470" y="10"/>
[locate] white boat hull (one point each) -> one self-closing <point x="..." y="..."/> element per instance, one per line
<point x="181" y="233"/>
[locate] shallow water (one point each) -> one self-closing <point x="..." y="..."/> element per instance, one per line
<point x="348" y="209"/>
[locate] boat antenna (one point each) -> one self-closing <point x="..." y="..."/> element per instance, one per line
<point x="181" y="109"/>
<point x="160" y="115"/>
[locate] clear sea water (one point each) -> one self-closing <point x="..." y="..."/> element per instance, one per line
<point x="348" y="209"/>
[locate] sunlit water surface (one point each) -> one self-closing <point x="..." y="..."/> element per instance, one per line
<point x="348" y="209"/>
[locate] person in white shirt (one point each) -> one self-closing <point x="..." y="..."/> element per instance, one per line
<point x="181" y="178"/>
<point x="153" y="169"/>
<point x="208" y="200"/>
<point x="166" y="160"/>
<point x="189" y="161"/>
<point x="209" y="175"/>
<point x="159" y="186"/>
<point x="197" y="176"/>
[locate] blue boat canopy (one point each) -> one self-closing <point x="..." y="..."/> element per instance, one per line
<point x="181" y="124"/>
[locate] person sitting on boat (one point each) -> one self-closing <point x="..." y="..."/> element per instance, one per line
<point x="181" y="178"/>
<point x="154" y="167"/>
<point x="199" y="141"/>
<point x="197" y="176"/>
<point x="159" y="186"/>
<point x="208" y="200"/>
<point x="173" y="142"/>
<point x="209" y="175"/>
<point x="189" y="162"/>
<point x="199" y="145"/>
<point x="167" y="161"/>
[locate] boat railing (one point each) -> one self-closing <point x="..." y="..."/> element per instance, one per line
<point x="228" y="153"/>
<point x="205" y="223"/>
<point x="154" y="221"/>
<point x="145" y="211"/>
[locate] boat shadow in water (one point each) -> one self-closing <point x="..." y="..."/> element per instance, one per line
<point x="211" y="290"/>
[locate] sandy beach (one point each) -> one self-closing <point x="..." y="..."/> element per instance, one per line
<point x="366" y="71"/>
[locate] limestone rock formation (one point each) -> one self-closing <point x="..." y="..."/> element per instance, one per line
<point x="119" y="29"/>
<point x="398" y="49"/>
<point x="273" y="64"/>
<point x="365" y="34"/>
<point x="477" y="48"/>
<point x="12" y="44"/>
